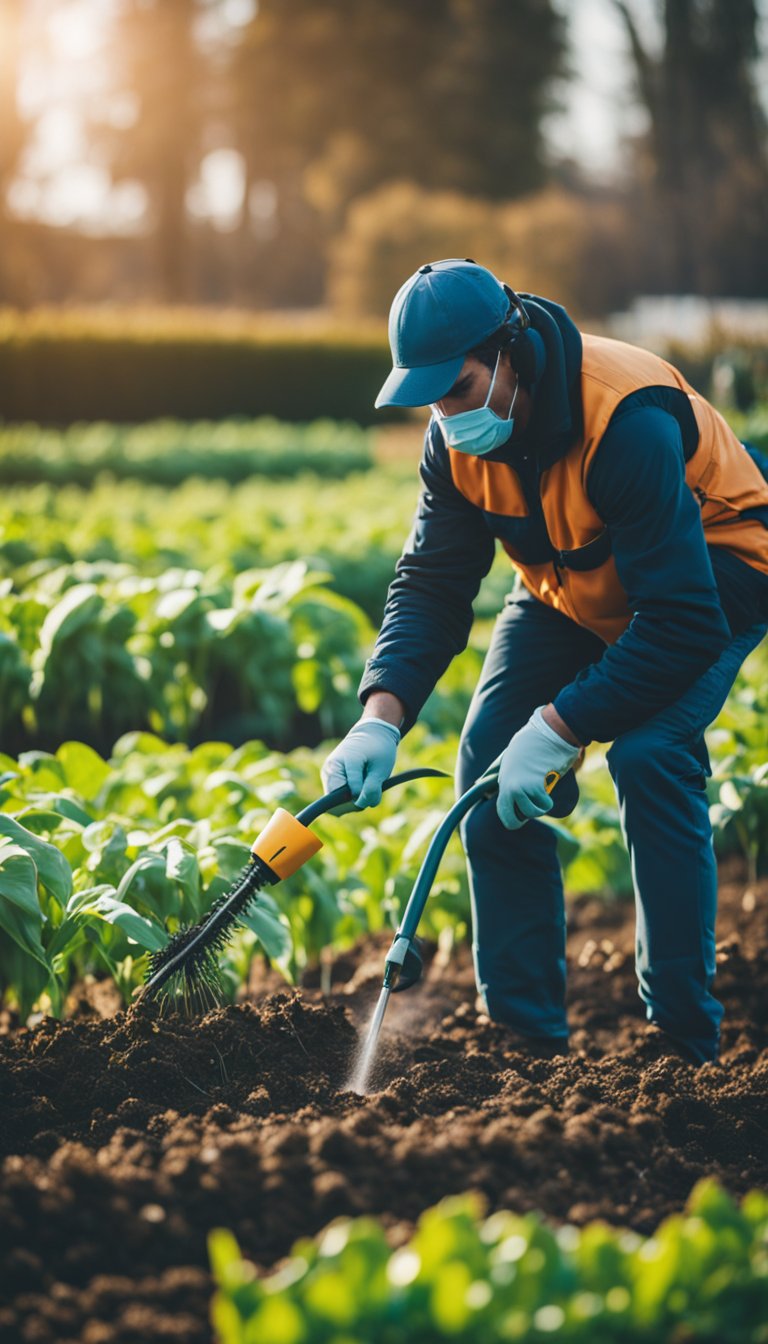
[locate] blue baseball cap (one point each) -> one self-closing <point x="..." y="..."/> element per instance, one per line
<point x="442" y="311"/>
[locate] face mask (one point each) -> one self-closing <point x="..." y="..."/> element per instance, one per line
<point x="478" y="431"/>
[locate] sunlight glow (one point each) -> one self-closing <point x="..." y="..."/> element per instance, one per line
<point x="72" y="31"/>
<point x="218" y="192"/>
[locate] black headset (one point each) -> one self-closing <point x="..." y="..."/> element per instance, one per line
<point x="526" y="346"/>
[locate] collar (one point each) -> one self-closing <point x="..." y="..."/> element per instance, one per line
<point x="556" y="417"/>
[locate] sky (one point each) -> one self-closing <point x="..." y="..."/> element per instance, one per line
<point x="600" y="105"/>
<point x="60" y="184"/>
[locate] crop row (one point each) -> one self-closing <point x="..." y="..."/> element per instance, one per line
<point x="102" y="861"/>
<point x="354" y="529"/>
<point x="167" y="452"/>
<point x="702" y="1276"/>
<point x="95" y="650"/>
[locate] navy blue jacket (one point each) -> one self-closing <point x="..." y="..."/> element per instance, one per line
<point x="689" y="599"/>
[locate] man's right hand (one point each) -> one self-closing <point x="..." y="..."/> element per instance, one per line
<point x="364" y="759"/>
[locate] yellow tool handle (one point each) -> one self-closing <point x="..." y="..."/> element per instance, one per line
<point x="550" y="779"/>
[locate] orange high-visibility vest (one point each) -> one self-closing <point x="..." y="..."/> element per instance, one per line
<point x="720" y="473"/>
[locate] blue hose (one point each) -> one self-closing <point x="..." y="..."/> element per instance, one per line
<point x="403" y="966"/>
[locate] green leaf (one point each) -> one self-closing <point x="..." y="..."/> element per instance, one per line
<point x="65" y="939"/>
<point x="263" y="918"/>
<point x="225" y="1255"/>
<point x="138" y="743"/>
<point x="279" y="1321"/>
<point x="448" y="1297"/>
<point x="710" y="1201"/>
<point x="147" y="883"/>
<point x="58" y="808"/>
<point x="37" y="819"/>
<point x="20" y="913"/>
<point x="226" y="1320"/>
<point x="232" y="856"/>
<point x="179" y="604"/>
<point x="181" y="866"/>
<point x="76" y="608"/>
<point x="43" y="769"/>
<point x="331" y="1297"/>
<point x="25" y="978"/>
<point x="102" y="903"/>
<point x="730" y="796"/>
<point x="52" y="868"/>
<point x="84" y="769"/>
<point x="105" y="843"/>
<point x="69" y="808"/>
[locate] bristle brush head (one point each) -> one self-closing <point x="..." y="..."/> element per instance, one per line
<point x="195" y="983"/>
<point x="185" y="973"/>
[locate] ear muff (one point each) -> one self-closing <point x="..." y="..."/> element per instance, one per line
<point x="528" y="356"/>
<point x="527" y="351"/>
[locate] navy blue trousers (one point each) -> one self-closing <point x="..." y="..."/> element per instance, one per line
<point x="659" y="772"/>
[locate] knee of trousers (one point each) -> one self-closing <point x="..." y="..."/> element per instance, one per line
<point x="642" y="756"/>
<point x="484" y="834"/>
<point x="478" y="747"/>
<point x="470" y="761"/>
<point x="480" y="829"/>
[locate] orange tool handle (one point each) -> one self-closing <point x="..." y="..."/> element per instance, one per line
<point x="285" y="844"/>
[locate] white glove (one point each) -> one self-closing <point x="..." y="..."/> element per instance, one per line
<point x="534" y="751"/>
<point x="363" y="760"/>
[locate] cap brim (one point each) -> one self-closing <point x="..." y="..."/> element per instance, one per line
<point x="419" y="387"/>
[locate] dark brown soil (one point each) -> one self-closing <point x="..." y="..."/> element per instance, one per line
<point x="126" y="1139"/>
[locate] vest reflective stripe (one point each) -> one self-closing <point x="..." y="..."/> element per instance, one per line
<point x="585" y="585"/>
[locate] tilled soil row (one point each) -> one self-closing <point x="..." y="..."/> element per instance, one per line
<point x="126" y="1140"/>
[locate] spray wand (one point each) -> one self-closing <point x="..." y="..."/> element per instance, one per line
<point x="404" y="965"/>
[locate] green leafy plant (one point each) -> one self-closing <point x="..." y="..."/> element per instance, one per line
<point x="352" y="528"/>
<point x="80" y="893"/>
<point x="738" y="789"/>
<point x="99" y="649"/>
<point x="703" y="1275"/>
<point x="741" y="806"/>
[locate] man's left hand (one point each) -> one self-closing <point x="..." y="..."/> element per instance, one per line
<point x="532" y="754"/>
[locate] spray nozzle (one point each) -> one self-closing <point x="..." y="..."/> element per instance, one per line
<point x="404" y="964"/>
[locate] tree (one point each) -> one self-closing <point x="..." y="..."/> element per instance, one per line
<point x="332" y="98"/>
<point x="158" y="64"/>
<point x="706" y="159"/>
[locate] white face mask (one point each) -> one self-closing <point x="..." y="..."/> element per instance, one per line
<point x="478" y="431"/>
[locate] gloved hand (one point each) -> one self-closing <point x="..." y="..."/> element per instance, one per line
<point x="363" y="760"/>
<point x="524" y="764"/>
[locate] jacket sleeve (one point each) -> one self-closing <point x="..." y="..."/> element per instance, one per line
<point x="637" y="485"/>
<point x="428" y="613"/>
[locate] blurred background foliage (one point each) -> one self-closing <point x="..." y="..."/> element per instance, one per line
<point x="304" y="154"/>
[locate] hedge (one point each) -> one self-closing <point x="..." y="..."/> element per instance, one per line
<point x="57" y="368"/>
